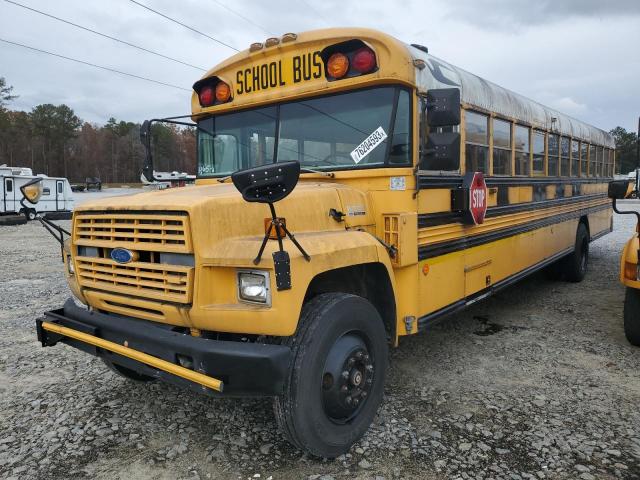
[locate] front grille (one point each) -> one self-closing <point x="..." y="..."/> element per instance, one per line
<point x="160" y="282"/>
<point x="149" y="232"/>
<point x="147" y="235"/>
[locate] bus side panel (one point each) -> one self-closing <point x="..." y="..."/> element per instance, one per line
<point x="600" y="222"/>
<point x="452" y="277"/>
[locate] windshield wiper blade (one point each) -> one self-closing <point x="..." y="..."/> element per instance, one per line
<point x="320" y="172"/>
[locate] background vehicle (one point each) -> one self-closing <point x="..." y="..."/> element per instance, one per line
<point x="56" y="197"/>
<point x="395" y="223"/>
<point x="629" y="263"/>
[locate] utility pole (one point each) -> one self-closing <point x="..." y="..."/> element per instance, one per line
<point x="638" y="157"/>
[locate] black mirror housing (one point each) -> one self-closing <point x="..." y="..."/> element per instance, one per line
<point x="618" y="189"/>
<point x="442" y="151"/>
<point x="443" y="107"/>
<point x="267" y="183"/>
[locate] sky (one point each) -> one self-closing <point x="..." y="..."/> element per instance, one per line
<point x="581" y="57"/>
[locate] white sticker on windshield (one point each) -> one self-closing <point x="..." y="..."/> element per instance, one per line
<point x="366" y="147"/>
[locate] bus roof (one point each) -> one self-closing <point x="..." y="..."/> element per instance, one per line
<point x="397" y="63"/>
<point x="485" y="95"/>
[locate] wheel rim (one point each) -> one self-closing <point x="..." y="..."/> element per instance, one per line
<point x="347" y="378"/>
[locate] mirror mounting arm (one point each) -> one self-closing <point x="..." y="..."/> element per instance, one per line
<point x="626" y="212"/>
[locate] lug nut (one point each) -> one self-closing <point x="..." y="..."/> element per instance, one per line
<point x="356" y="401"/>
<point x="365" y="358"/>
<point x="369" y="368"/>
<point x="351" y="361"/>
<point x="359" y="355"/>
<point x="363" y="394"/>
<point x="345" y="374"/>
<point x="344" y="389"/>
<point x="348" y="400"/>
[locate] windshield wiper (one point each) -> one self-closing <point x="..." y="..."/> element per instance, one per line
<point x="320" y="172"/>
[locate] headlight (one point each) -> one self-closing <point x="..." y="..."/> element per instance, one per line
<point x="70" y="268"/>
<point x="253" y="287"/>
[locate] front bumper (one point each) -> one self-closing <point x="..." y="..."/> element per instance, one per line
<point x="152" y="349"/>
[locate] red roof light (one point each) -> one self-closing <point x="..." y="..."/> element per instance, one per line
<point x="364" y="60"/>
<point x="206" y="96"/>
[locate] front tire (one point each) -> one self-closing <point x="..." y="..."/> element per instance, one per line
<point x="632" y="316"/>
<point x="336" y="377"/>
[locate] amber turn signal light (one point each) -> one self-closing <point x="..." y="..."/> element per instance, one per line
<point x="223" y="92"/>
<point x="338" y="65"/>
<point x="273" y="235"/>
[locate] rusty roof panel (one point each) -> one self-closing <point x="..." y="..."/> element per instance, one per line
<point x="481" y="93"/>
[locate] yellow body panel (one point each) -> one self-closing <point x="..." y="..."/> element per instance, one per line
<point x="630" y="258"/>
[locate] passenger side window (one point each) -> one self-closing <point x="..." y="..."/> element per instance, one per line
<point x="522" y="150"/>
<point x="592" y="161"/>
<point x="584" y="159"/>
<point x="477" y="142"/>
<point x="599" y="160"/>
<point x="565" y="150"/>
<point x="501" y="147"/>
<point x="575" y="158"/>
<point x="554" y="146"/>
<point x="538" y="151"/>
<point x="9" y="185"/>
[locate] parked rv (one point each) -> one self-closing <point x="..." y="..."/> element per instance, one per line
<point x="56" y="193"/>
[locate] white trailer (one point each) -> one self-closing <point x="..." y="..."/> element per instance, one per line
<point x="56" y="193"/>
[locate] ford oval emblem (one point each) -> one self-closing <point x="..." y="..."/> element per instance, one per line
<point x="121" y="255"/>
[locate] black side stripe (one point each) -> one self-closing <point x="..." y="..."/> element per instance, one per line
<point x="455" y="181"/>
<point x="443" y="218"/>
<point x="443" y="248"/>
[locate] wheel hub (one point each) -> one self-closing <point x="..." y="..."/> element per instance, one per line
<point x="347" y="378"/>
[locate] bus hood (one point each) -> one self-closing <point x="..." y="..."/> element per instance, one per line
<point x="219" y="212"/>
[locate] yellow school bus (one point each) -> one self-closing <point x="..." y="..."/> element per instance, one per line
<point x="413" y="189"/>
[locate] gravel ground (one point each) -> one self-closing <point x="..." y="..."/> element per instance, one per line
<point x="536" y="382"/>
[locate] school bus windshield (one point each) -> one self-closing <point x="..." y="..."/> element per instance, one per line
<point x="364" y="128"/>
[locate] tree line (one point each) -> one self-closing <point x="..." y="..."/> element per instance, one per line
<point x="53" y="140"/>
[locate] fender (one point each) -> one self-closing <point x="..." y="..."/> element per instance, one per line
<point x="630" y="256"/>
<point x="218" y="309"/>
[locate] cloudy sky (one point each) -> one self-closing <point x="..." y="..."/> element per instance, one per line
<point x="579" y="56"/>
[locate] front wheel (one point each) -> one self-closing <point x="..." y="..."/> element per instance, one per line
<point x="632" y="316"/>
<point x="336" y="378"/>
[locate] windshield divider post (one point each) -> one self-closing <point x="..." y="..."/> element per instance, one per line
<point x="276" y="136"/>
<point x="392" y="123"/>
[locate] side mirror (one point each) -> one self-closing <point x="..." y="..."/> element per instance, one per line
<point x="145" y="138"/>
<point x="443" y="107"/>
<point x="32" y="191"/>
<point x="618" y="189"/>
<point x="145" y="133"/>
<point x="442" y="151"/>
<point x="267" y="183"/>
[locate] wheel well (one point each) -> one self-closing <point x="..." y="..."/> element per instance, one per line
<point x="367" y="280"/>
<point x="584" y="219"/>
